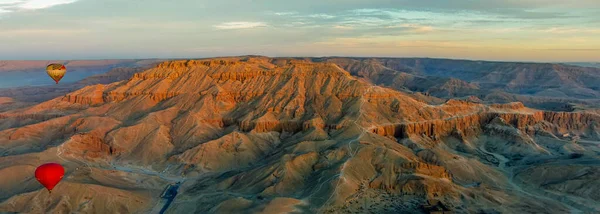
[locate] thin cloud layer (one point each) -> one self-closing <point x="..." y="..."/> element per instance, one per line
<point x="489" y="29"/>
<point x="7" y="6"/>
<point x="240" y="25"/>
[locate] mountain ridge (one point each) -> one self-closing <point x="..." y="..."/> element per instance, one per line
<point x="258" y="134"/>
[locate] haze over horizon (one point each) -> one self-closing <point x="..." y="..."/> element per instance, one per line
<point x="528" y="30"/>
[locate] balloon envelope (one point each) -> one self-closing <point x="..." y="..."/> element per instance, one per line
<point x="49" y="175"/>
<point x="56" y="71"/>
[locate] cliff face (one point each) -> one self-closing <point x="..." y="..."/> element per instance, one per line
<point x="93" y="96"/>
<point x="471" y="125"/>
<point x="257" y="131"/>
<point x="290" y="94"/>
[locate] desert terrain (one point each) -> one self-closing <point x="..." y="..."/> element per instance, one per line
<point x="255" y="134"/>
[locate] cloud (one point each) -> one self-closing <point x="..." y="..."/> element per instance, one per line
<point x="3" y="10"/>
<point x="364" y="21"/>
<point x="321" y="16"/>
<point x="415" y="28"/>
<point x="285" y="13"/>
<point x="7" y="6"/>
<point x="41" y="4"/>
<point x="240" y="25"/>
<point x="6" y="3"/>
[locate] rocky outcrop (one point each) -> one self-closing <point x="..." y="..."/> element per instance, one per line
<point x="313" y="123"/>
<point x="571" y="120"/>
<point x="91" y="95"/>
<point x="435" y="128"/>
<point x="512" y="106"/>
<point x="116" y="96"/>
<point x="470" y="125"/>
<point x="155" y="75"/>
<point x="98" y="96"/>
<point x="426" y="169"/>
<point x="89" y="147"/>
<point x="414" y="178"/>
<point x="184" y="64"/>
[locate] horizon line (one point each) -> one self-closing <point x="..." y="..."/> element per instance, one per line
<point x="311" y="57"/>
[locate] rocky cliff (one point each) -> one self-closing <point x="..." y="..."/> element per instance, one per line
<point x="581" y="123"/>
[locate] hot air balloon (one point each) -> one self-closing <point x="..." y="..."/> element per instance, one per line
<point x="49" y="175"/>
<point x="56" y="71"/>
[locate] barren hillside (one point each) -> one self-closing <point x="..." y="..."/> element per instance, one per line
<point x="257" y="134"/>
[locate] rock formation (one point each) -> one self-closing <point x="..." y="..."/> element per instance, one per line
<point x="255" y="133"/>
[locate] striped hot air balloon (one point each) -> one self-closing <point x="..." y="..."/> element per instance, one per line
<point x="56" y="71"/>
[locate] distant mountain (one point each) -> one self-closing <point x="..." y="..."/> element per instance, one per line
<point x="523" y="82"/>
<point x="258" y="134"/>
<point x="539" y="79"/>
<point x="585" y="64"/>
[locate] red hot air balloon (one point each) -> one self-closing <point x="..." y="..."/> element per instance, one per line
<point x="49" y="175"/>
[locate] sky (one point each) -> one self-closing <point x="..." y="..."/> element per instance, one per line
<point x="502" y="30"/>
